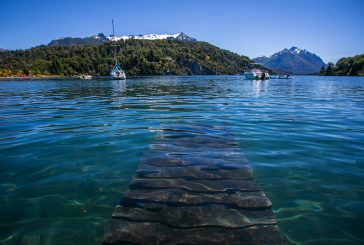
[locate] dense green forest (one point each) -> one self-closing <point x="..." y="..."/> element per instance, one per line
<point x="136" y="57"/>
<point x="349" y="66"/>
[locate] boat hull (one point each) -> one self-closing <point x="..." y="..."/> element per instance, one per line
<point x="249" y="75"/>
<point x="254" y="76"/>
<point x="117" y="78"/>
<point x="86" y="77"/>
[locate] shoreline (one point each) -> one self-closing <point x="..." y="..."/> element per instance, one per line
<point x="106" y="77"/>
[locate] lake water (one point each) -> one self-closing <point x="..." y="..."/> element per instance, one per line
<point x="68" y="149"/>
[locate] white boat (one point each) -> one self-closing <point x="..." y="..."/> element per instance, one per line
<point x="256" y="74"/>
<point x="85" y="77"/>
<point x="116" y="73"/>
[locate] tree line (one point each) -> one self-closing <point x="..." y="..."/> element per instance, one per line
<point x="136" y="57"/>
<point x="349" y="66"/>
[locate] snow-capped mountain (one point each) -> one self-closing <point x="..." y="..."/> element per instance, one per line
<point x="293" y="61"/>
<point x="178" y="36"/>
<point x="100" y="38"/>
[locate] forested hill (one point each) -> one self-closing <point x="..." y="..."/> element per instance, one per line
<point x="137" y="57"/>
<point x="349" y="66"/>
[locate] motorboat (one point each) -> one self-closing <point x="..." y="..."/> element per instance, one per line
<point x="85" y="77"/>
<point x="256" y="74"/>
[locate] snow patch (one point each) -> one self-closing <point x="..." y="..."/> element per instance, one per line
<point x="144" y="37"/>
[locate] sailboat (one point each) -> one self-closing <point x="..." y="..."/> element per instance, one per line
<point x="116" y="73"/>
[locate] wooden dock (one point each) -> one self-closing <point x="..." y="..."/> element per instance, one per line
<point x="194" y="186"/>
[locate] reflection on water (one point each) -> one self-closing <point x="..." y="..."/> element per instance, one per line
<point x="68" y="149"/>
<point x="259" y="85"/>
<point x="122" y="85"/>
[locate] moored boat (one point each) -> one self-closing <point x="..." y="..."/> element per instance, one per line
<point x="85" y="77"/>
<point x="256" y="74"/>
<point x="116" y="73"/>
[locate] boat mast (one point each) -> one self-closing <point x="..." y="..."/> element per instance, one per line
<point x="113" y="34"/>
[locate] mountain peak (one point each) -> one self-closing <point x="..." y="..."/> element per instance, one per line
<point x="296" y="50"/>
<point x="293" y="60"/>
<point x="100" y="36"/>
<point x="184" y="37"/>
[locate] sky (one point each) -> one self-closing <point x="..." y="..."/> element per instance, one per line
<point x="330" y="28"/>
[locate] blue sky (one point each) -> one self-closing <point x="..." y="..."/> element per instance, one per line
<point x="329" y="28"/>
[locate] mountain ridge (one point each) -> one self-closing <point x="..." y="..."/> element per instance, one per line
<point x="292" y="61"/>
<point x="101" y="38"/>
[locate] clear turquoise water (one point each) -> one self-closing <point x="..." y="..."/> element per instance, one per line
<point x="68" y="149"/>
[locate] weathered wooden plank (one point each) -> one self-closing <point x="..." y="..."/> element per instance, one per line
<point x="196" y="216"/>
<point x="174" y="196"/>
<point x="196" y="137"/>
<point x="241" y="171"/>
<point x="157" y="158"/>
<point x="193" y="148"/>
<point x="194" y="129"/>
<point x="120" y="231"/>
<point x="199" y="140"/>
<point x="195" y="185"/>
<point x="219" y="156"/>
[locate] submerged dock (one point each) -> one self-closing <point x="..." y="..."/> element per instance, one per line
<point x="193" y="186"/>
